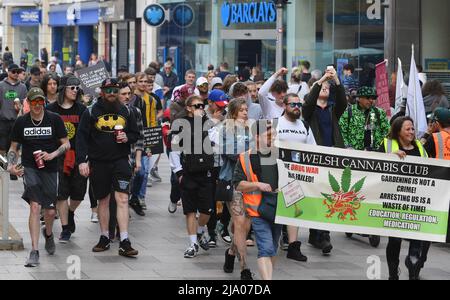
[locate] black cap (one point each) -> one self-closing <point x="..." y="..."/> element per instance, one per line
<point x="14" y="67"/>
<point x="110" y="82"/>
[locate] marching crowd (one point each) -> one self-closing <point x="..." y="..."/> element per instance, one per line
<point x="218" y="130"/>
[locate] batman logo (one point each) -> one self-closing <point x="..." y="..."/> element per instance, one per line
<point x="106" y="123"/>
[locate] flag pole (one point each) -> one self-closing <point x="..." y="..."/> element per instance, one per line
<point x="416" y="125"/>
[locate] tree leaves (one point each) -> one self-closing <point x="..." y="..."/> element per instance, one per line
<point x="359" y="185"/>
<point x="334" y="183"/>
<point x="346" y="179"/>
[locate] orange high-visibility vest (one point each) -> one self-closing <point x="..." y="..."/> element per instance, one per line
<point x="442" y="142"/>
<point x="252" y="200"/>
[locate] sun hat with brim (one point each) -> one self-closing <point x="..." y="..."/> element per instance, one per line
<point x="35" y="94"/>
<point x="367" y="92"/>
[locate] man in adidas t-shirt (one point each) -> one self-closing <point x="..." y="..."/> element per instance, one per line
<point x="291" y="128"/>
<point x="43" y="137"/>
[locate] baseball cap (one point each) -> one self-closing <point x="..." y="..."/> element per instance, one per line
<point x="14" y="67"/>
<point x="442" y="115"/>
<point x="110" y="82"/>
<point x="201" y="81"/>
<point x="215" y="81"/>
<point x="219" y="98"/>
<point x="35" y="93"/>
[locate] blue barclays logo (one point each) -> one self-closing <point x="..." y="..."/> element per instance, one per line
<point x="155" y="15"/>
<point x="248" y="13"/>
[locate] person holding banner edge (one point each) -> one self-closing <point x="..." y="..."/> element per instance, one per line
<point x="402" y="142"/>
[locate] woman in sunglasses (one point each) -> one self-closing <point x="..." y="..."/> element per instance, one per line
<point x="192" y="160"/>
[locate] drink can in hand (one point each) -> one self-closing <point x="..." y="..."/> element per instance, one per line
<point x="39" y="161"/>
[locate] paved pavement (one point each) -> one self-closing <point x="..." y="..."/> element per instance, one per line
<point x="161" y="240"/>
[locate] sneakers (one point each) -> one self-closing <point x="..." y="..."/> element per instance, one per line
<point x="284" y="241"/>
<point x="225" y="236"/>
<point x="72" y="226"/>
<point x="33" y="260"/>
<point x="203" y="241"/>
<point x="173" y="207"/>
<point x="228" y="267"/>
<point x="295" y="253"/>
<point x="155" y="176"/>
<point x="143" y="204"/>
<point x="50" y="246"/>
<point x="191" y="252"/>
<point x="212" y="241"/>
<point x="126" y="250"/>
<point x="103" y="245"/>
<point x="149" y="182"/>
<point x="65" y="237"/>
<point x="94" y="218"/>
<point x="136" y="206"/>
<point x="246" y="275"/>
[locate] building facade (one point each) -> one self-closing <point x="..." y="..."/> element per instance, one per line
<point x="361" y="32"/>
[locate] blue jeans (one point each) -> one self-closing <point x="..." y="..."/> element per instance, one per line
<point x="267" y="237"/>
<point x="139" y="188"/>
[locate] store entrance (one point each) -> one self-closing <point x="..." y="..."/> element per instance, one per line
<point x="249" y="53"/>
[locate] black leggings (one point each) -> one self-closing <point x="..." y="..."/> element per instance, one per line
<point x="418" y="249"/>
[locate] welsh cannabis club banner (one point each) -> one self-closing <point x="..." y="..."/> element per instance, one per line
<point x="363" y="192"/>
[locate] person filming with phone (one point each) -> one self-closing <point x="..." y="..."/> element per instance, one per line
<point x="323" y="116"/>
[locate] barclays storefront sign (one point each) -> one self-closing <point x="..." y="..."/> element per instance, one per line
<point x="248" y="13"/>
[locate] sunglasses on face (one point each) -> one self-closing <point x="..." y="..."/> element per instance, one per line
<point x="74" y="88"/>
<point x="294" y="105"/>
<point x="16" y="72"/>
<point x="35" y="103"/>
<point x="111" y="90"/>
<point x="198" y="106"/>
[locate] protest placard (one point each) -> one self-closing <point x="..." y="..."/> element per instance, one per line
<point x="92" y="77"/>
<point x="153" y="140"/>
<point x="365" y="192"/>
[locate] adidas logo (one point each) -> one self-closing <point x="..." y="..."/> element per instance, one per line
<point x="37" y="132"/>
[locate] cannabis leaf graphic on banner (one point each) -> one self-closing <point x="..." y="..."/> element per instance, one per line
<point x="345" y="200"/>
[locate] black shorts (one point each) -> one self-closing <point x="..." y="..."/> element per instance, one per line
<point x="73" y="186"/>
<point x="196" y="194"/>
<point x="5" y="135"/>
<point x="40" y="187"/>
<point x="107" y="176"/>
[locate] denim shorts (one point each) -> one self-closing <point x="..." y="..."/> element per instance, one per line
<point x="267" y="237"/>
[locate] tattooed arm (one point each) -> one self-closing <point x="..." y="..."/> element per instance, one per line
<point x="65" y="146"/>
<point x="13" y="159"/>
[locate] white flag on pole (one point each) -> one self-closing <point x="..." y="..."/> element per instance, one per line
<point x="415" y="107"/>
<point x="401" y="90"/>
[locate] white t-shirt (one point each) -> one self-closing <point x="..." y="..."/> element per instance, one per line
<point x="294" y="132"/>
<point x="301" y="92"/>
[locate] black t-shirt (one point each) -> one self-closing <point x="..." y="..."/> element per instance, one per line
<point x="71" y="118"/>
<point x="430" y="146"/>
<point x="44" y="137"/>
